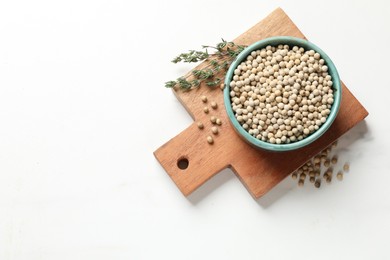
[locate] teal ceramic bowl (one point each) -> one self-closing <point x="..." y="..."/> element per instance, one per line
<point x="291" y="41"/>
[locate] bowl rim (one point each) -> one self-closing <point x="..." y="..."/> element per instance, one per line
<point x="274" y="41"/>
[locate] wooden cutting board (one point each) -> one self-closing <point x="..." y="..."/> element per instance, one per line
<point x="258" y="170"/>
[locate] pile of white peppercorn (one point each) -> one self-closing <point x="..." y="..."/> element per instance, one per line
<point x="281" y="94"/>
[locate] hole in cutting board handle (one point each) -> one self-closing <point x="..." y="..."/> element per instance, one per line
<point x="183" y="163"/>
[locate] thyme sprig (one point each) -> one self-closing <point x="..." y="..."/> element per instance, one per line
<point x="219" y="60"/>
<point x="191" y="56"/>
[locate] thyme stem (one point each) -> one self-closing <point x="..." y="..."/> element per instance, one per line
<point x="222" y="56"/>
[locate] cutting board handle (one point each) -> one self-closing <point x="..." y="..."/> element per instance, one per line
<point x="189" y="159"/>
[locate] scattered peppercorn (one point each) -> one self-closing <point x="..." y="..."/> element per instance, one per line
<point x="329" y="171"/>
<point x="214" y="105"/>
<point x="294" y="175"/>
<point x="334" y="160"/>
<point x="327" y="163"/>
<point x="325" y="176"/>
<point x="204" y="99"/>
<point x="200" y="125"/>
<point x="214" y="130"/>
<point x="312" y="168"/>
<point x="339" y="176"/>
<point x="210" y="140"/>
<point x="206" y="110"/>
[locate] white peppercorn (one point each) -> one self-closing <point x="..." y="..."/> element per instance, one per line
<point x="285" y="93"/>
<point x="294" y="175"/>
<point x="346" y="167"/>
<point x="327" y="163"/>
<point x="334" y="160"/>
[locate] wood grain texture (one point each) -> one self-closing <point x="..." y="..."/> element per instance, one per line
<point x="258" y="170"/>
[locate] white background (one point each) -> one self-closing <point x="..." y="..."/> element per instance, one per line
<point x="83" y="107"/>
